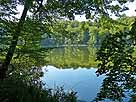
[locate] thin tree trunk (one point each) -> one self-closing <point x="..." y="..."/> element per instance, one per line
<point x="13" y="44"/>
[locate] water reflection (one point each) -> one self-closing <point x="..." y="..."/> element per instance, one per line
<point x="82" y="80"/>
<point x="115" y="86"/>
<point x="72" y="57"/>
<point x="119" y="84"/>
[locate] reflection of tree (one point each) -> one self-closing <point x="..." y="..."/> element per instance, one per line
<point x="116" y="60"/>
<point x="74" y="57"/>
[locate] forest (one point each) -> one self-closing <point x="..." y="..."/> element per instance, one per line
<point x="46" y="33"/>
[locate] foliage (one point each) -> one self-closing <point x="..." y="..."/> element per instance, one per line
<point x="61" y="8"/>
<point x="118" y="63"/>
<point x="116" y="52"/>
<point x="28" y="51"/>
<point x="74" y="32"/>
<point x="118" y="86"/>
<point x="6" y="31"/>
<point x="26" y="87"/>
<point x="25" y="33"/>
<point x="48" y="12"/>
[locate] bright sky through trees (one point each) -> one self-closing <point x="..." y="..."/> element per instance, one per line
<point x="130" y="12"/>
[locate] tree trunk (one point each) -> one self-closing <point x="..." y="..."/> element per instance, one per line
<point x="11" y="50"/>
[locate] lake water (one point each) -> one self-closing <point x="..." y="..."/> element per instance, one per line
<point x="72" y="57"/>
<point x="82" y="80"/>
<point x="70" y="68"/>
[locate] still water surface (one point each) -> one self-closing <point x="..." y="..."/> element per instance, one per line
<point x="72" y="71"/>
<point x="82" y="80"/>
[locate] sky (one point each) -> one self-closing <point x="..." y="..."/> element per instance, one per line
<point x="132" y="7"/>
<point x="130" y="12"/>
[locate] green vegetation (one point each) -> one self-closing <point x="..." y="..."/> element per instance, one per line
<point x="21" y="51"/>
<point x="78" y="56"/>
<point x="26" y="87"/>
<point x="74" y="32"/>
<point x="118" y="62"/>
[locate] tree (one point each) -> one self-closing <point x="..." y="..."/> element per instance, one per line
<point x="116" y="60"/>
<point x="48" y="11"/>
<point x="14" y="41"/>
<point x="118" y="86"/>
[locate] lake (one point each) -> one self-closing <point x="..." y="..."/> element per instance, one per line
<point x="70" y="67"/>
<point x="72" y="57"/>
<point x="82" y="80"/>
<point x="74" y="69"/>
